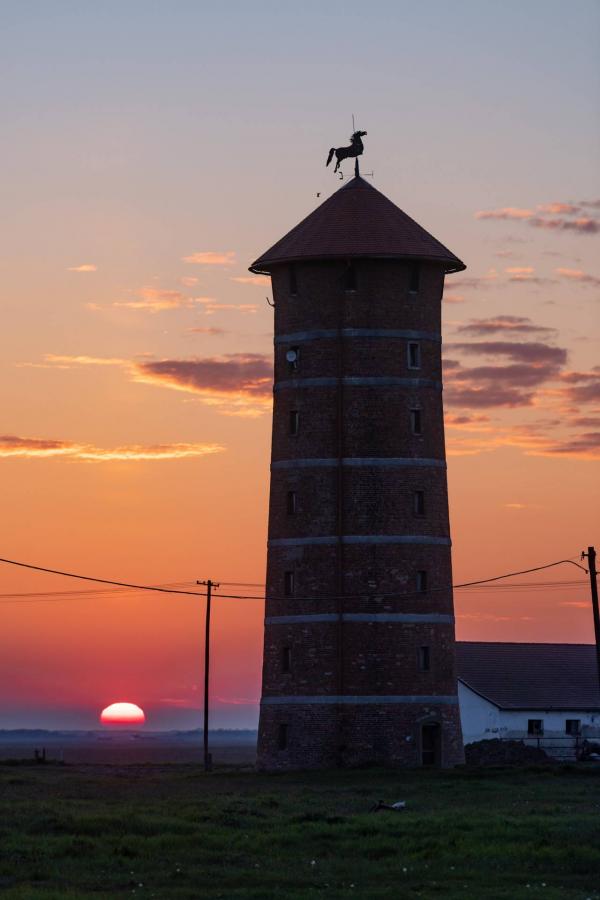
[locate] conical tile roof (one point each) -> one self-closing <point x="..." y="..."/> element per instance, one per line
<point x="357" y="221"/>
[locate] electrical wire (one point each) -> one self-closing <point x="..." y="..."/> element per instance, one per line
<point x="170" y="590"/>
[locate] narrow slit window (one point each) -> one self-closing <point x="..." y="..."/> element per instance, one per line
<point x="535" y="726"/>
<point x="416" y="424"/>
<point x="414" y="355"/>
<point x="421" y="581"/>
<point x="291" y="503"/>
<point x="419" y="503"/>
<point x="424" y="659"/>
<point x="288" y="584"/>
<point x="350" y="277"/>
<point x="294" y="421"/>
<point x="286" y="659"/>
<point x="282" y="736"/>
<point x="414" y="278"/>
<point x="293" y="280"/>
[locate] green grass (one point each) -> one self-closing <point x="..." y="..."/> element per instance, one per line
<point x="173" y="832"/>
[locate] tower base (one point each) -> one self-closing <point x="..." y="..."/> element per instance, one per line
<point x="328" y="734"/>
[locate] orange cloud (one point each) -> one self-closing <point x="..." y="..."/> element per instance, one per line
<point x="506" y="212"/>
<point x="211" y="258"/>
<point x="36" y="448"/>
<point x="157" y="299"/>
<point x="189" y="280"/>
<point x="85" y="267"/>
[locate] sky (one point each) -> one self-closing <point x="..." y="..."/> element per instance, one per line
<point x="151" y="152"/>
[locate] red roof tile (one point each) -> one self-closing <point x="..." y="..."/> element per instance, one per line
<point x="357" y="221"/>
<point x="531" y="676"/>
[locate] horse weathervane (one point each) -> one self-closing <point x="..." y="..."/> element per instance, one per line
<point x="353" y="151"/>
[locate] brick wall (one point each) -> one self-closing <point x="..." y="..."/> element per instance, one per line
<point x="353" y="535"/>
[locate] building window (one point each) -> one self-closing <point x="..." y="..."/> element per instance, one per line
<point x="282" y="736"/>
<point x="288" y="584"/>
<point x="286" y="659"/>
<point x="414" y="355"/>
<point x="294" y="421"/>
<point x="424" y="659"/>
<point x="293" y="280"/>
<point x="350" y="277"/>
<point x="291" y="503"/>
<point x="414" y="278"/>
<point x="419" y="503"/>
<point x="535" y="726"/>
<point x="573" y="726"/>
<point x="415" y="421"/>
<point x="421" y="579"/>
<point x="292" y="357"/>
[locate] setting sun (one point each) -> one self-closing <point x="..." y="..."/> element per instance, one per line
<point x="122" y="714"/>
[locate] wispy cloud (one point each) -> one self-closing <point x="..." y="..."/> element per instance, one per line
<point x="505" y="212"/>
<point x="534" y="352"/>
<point x="206" y="329"/>
<point x="568" y="216"/>
<point x="578" y="275"/>
<point x="211" y="258"/>
<point x="84" y="267"/>
<point x="211" y="306"/>
<point x="503" y="324"/>
<point x="256" y="280"/>
<point x="41" y="448"/>
<point x="154" y="299"/>
<point x="189" y="280"/>
<point x="237" y="384"/>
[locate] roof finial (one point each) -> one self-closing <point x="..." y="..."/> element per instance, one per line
<point x="354" y="150"/>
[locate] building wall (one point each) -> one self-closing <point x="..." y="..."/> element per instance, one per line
<point x="342" y="672"/>
<point x="482" y="720"/>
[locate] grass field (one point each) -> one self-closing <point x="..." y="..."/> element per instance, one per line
<point x="173" y="832"/>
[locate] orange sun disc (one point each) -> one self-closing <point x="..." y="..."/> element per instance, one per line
<point x="122" y="714"/>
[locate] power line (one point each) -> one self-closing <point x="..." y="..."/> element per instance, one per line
<point x="169" y="590"/>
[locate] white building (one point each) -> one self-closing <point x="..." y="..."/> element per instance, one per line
<point x="546" y="695"/>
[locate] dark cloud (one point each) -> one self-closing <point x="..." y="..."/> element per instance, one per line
<point x="465" y="420"/>
<point x="486" y="395"/>
<point x="582" y="387"/>
<point x="587" y="444"/>
<point x="533" y="352"/>
<point x="582" y="225"/>
<point x="534" y="363"/>
<point x="236" y="384"/>
<point x="510" y="324"/>
<point x="250" y="373"/>
<point x="587" y="421"/>
<point x="32" y="445"/>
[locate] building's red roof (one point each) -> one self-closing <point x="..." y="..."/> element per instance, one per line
<point x="531" y="676"/>
<point x="357" y="221"/>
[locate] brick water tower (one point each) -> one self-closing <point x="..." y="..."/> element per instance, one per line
<point x="359" y="660"/>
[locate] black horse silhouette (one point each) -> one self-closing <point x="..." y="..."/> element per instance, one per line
<point x="355" y="149"/>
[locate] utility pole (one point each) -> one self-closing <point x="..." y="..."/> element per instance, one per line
<point x="209" y="586"/>
<point x="591" y="558"/>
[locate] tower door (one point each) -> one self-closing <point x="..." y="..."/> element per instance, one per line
<point x="431" y="744"/>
